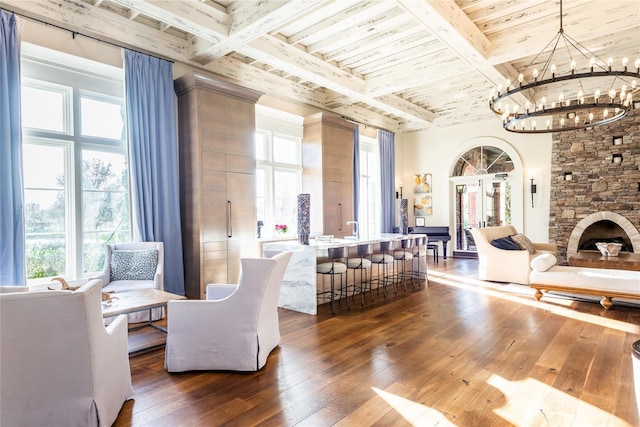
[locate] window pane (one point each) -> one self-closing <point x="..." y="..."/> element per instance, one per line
<point x="45" y="208"/>
<point x="285" y="150"/>
<point x="102" y="119"/>
<point x="260" y="192"/>
<point x="105" y="204"/>
<point x="43" y="109"/>
<point x="261" y="146"/>
<point x="285" y="188"/>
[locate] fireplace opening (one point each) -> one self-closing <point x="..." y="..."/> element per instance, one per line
<point x="604" y="231"/>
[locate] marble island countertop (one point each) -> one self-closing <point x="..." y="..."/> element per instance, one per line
<point x="299" y="286"/>
<point x="350" y="241"/>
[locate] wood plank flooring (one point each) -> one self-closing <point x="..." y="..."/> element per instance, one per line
<point x="458" y="352"/>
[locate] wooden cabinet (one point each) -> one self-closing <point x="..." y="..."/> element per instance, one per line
<point x="327" y="159"/>
<point x="216" y="123"/>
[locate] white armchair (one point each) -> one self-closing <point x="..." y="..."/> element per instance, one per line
<point x="235" y="328"/>
<point x="133" y="266"/>
<point x="501" y="265"/>
<point x="59" y="365"/>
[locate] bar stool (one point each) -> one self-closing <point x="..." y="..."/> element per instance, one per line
<point x="362" y="263"/>
<point x="406" y="254"/>
<point x="383" y="259"/>
<point x="419" y="251"/>
<point x="332" y="268"/>
<point x="434" y="248"/>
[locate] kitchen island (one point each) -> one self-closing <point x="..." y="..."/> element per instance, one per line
<point x="299" y="287"/>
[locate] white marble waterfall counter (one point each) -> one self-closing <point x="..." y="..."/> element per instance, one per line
<point x="299" y="286"/>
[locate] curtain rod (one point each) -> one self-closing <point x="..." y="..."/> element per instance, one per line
<point x="77" y="33"/>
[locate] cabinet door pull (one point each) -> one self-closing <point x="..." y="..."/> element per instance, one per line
<point x="229" y="226"/>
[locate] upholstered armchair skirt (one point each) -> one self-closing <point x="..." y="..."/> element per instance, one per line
<point x="235" y="328"/>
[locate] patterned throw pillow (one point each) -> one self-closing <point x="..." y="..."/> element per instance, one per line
<point x="524" y="242"/>
<point x="134" y="265"/>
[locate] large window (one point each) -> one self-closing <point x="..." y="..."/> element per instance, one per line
<point x="75" y="165"/>
<point x="279" y="180"/>
<point x="369" y="206"/>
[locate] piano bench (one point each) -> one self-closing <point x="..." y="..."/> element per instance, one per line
<point x="433" y="247"/>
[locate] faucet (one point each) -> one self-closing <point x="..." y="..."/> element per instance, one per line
<point x="355" y="229"/>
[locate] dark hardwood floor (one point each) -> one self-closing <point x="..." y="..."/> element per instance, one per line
<point x="456" y="352"/>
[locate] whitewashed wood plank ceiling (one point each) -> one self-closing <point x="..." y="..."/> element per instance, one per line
<point x="401" y="65"/>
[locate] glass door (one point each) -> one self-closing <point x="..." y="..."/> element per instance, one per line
<point x="479" y="202"/>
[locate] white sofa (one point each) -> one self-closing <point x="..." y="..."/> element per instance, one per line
<point x="59" y="365"/>
<point x="623" y="285"/>
<point x="500" y="265"/>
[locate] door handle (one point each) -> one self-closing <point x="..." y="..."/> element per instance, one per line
<point x="229" y="226"/>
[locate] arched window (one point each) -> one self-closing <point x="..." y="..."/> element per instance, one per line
<point x="483" y="160"/>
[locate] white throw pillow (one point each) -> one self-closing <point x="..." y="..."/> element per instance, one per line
<point x="543" y="262"/>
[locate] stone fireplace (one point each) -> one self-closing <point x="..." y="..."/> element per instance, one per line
<point x="603" y="226"/>
<point x="602" y="199"/>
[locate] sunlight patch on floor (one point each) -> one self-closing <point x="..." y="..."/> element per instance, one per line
<point x="486" y="288"/>
<point x="531" y="402"/>
<point x="415" y="413"/>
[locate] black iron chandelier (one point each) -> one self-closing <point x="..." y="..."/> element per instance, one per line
<point x="590" y="92"/>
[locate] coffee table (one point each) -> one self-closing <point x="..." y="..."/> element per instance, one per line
<point x="140" y="300"/>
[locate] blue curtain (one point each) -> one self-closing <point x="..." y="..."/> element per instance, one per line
<point x="386" y="142"/>
<point x="12" y="238"/>
<point x="153" y="147"/>
<point x="356" y="174"/>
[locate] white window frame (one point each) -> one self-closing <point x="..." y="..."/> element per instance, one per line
<point x="41" y="70"/>
<point x="270" y="167"/>
<point x="369" y="223"/>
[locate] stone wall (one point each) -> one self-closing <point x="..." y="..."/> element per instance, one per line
<point x="597" y="184"/>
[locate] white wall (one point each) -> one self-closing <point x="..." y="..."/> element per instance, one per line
<point x="436" y="150"/>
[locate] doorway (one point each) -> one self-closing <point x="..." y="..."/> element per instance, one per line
<point x="483" y="183"/>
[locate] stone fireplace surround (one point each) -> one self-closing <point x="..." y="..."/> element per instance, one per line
<point x="599" y="189"/>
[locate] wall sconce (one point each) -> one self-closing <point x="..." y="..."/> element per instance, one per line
<point x="617" y="140"/>
<point x="638" y="185"/>
<point x="461" y="188"/>
<point x="534" y="190"/>
<point x="617" y="158"/>
<point x="568" y="176"/>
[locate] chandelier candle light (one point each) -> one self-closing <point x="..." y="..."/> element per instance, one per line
<point x="588" y="93"/>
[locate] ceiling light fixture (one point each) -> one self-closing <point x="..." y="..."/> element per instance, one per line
<point x="589" y="93"/>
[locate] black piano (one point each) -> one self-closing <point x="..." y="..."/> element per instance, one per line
<point x="435" y="234"/>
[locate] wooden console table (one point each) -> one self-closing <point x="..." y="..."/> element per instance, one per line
<point x="594" y="259"/>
